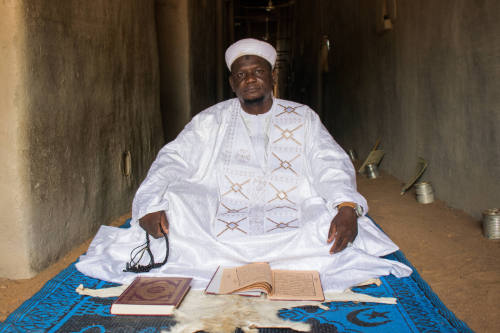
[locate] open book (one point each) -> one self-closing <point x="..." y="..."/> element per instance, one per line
<point x="256" y="278"/>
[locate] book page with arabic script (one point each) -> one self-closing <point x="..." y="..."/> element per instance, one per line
<point x="296" y="285"/>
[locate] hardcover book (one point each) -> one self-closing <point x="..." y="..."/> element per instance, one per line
<point x="256" y="278"/>
<point x="151" y="296"/>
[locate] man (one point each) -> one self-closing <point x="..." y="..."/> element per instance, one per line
<point x="251" y="179"/>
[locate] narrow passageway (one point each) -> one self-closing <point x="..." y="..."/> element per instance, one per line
<point x="421" y="76"/>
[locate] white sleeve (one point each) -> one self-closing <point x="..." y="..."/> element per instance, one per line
<point x="331" y="171"/>
<point x="175" y="161"/>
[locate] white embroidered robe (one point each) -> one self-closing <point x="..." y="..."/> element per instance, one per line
<point x="228" y="206"/>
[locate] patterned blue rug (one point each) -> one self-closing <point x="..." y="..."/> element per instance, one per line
<point x="58" y="308"/>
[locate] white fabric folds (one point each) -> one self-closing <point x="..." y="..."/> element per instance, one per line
<point x="226" y="206"/>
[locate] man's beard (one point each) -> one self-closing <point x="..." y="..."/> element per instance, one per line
<point x="254" y="101"/>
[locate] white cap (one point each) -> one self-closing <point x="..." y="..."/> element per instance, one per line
<point x="250" y="46"/>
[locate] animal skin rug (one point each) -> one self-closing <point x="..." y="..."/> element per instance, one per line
<point x="225" y="313"/>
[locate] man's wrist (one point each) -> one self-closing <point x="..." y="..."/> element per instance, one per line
<point x="347" y="204"/>
<point x="357" y="208"/>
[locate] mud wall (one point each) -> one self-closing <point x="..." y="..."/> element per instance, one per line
<point x="427" y="87"/>
<point x="90" y="93"/>
<point x="14" y="246"/>
<point x="187" y="48"/>
<point x="172" y="18"/>
<point x="203" y="53"/>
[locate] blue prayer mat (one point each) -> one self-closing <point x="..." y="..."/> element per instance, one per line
<point x="58" y="308"/>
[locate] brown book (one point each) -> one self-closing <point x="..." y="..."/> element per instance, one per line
<point x="256" y="278"/>
<point x="154" y="296"/>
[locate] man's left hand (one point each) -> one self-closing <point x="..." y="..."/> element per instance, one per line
<point x="343" y="228"/>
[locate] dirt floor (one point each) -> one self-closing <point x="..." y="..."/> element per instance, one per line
<point x="445" y="245"/>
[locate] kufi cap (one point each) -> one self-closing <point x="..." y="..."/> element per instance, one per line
<point x="250" y="46"/>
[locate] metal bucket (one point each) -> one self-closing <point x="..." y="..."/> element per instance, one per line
<point x="491" y="223"/>
<point x="372" y="171"/>
<point x="352" y="155"/>
<point x="425" y="193"/>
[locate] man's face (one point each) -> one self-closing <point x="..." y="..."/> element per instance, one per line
<point x="251" y="79"/>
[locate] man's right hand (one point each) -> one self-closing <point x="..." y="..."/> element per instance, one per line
<point x="152" y="222"/>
